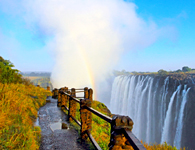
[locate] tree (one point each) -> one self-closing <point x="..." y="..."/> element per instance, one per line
<point x="186" y="69"/>
<point x="7" y="74"/>
<point x="179" y="70"/>
<point x="162" y="72"/>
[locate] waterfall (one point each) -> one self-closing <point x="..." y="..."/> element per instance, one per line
<point x="167" y="123"/>
<point x="178" y="134"/>
<point x="155" y="104"/>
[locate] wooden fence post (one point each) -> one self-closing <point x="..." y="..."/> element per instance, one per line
<point x="90" y="92"/>
<point x="55" y="93"/>
<point x="118" y="140"/>
<point x="59" y="98"/>
<point x="64" y="98"/>
<point x="86" y="116"/>
<point x="68" y="99"/>
<point x="86" y="93"/>
<point x="48" y="88"/>
<point x="72" y="106"/>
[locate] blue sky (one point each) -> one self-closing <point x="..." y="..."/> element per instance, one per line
<point x="26" y="46"/>
<point x="21" y="45"/>
<point x="166" y="53"/>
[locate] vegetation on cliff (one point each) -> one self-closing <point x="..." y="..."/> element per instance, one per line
<point x="180" y="74"/>
<point x="101" y="128"/>
<point x="161" y="72"/>
<point x="19" y="103"/>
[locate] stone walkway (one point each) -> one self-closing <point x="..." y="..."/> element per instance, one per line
<point x="50" y="119"/>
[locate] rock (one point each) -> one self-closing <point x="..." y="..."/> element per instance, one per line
<point x="48" y="100"/>
<point x="64" y="125"/>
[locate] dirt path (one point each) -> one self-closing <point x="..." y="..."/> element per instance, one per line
<point x="53" y="137"/>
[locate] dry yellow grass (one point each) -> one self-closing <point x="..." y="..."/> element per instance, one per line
<point x="18" y="110"/>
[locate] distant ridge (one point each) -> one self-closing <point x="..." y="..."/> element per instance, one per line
<point x="36" y="73"/>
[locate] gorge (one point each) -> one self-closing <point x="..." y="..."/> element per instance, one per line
<point x="162" y="107"/>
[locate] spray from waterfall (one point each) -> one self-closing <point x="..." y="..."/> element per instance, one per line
<point x="88" y="38"/>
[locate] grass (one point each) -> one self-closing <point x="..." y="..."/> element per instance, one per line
<point x="164" y="146"/>
<point x="101" y="128"/>
<point x="18" y="111"/>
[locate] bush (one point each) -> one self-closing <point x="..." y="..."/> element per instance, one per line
<point x="7" y="74"/>
<point x="186" y="69"/>
<point x="162" y="72"/>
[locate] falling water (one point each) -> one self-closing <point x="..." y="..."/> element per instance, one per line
<point x="167" y="123"/>
<point x="178" y="134"/>
<point x="155" y="104"/>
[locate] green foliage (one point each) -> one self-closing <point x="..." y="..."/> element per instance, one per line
<point x="7" y="74"/>
<point x="98" y="120"/>
<point x="162" y="72"/>
<point x="179" y="70"/>
<point x="6" y="62"/>
<point x="186" y="69"/>
<point x="163" y="146"/>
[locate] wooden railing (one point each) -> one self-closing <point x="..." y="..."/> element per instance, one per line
<point x="121" y="126"/>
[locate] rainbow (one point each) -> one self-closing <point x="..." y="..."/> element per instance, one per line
<point x="89" y="71"/>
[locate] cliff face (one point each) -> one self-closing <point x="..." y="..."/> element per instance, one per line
<point x="162" y="107"/>
<point x="189" y="120"/>
<point x="188" y="129"/>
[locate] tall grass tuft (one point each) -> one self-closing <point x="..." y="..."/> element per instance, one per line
<point x="19" y="104"/>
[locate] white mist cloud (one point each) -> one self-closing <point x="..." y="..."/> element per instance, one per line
<point x="89" y="37"/>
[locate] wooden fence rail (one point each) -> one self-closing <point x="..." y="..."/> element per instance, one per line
<point x="121" y="126"/>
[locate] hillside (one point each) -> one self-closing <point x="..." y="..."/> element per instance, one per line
<point x="19" y="104"/>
